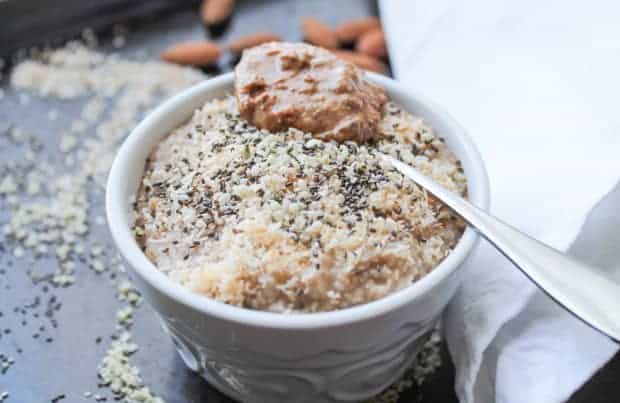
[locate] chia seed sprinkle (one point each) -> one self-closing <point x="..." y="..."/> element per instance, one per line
<point x="285" y="222"/>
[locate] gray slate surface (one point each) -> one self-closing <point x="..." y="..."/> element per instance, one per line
<point x="67" y="363"/>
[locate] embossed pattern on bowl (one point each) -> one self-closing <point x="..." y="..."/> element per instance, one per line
<point x="252" y="356"/>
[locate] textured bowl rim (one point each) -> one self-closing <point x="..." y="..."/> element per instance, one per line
<point x="117" y="199"/>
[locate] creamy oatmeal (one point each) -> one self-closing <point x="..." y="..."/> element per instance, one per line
<point x="287" y="222"/>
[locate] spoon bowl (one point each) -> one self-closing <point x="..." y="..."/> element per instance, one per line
<point x="580" y="289"/>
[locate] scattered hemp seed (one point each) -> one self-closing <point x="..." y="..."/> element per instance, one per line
<point x="122" y="378"/>
<point x="18" y="252"/>
<point x="67" y="143"/>
<point x="63" y="280"/>
<point x="5" y="363"/>
<point x="124" y="316"/>
<point x="8" y="185"/>
<point x="98" y="266"/>
<point x="50" y="192"/>
<point x="127" y="292"/>
<point x="96" y="250"/>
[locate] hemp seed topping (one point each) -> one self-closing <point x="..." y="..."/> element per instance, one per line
<point x="286" y="222"/>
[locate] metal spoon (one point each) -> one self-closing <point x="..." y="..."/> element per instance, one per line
<point x="580" y="289"/>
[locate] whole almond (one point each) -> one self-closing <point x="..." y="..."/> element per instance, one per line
<point x="349" y="31"/>
<point x="248" y="41"/>
<point x="192" y="53"/>
<point x="215" y="12"/>
<point x="372" y="43"/>
<point x="319" y="34"/>
<point x="361" y="60"/>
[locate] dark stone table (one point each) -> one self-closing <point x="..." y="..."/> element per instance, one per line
<point x="54" y="360"/>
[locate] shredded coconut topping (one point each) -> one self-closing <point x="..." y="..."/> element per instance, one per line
<point x="286" y="222"/>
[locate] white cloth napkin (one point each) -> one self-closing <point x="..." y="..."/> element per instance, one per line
<point x="536" y="84"/>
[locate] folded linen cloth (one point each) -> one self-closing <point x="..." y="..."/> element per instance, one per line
<point x="535" y="84"/>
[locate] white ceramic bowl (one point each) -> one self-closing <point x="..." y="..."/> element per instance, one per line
<point x="254" y="356"/>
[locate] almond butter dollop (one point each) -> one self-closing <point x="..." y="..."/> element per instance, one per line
<point x="282" y="85"/>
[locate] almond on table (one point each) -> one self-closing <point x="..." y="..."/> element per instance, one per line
<point x="318" y="33"/>
<point x="349" y="31"/>
<point x="362" y="61"/>
<point x="372" y="43"/>
<point x="216" y="12"/>
<point x="192" y="53"/>
<point x="251" y="40"/>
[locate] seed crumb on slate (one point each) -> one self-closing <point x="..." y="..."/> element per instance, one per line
<point x="50" y="200"/>
<point x="127" y="292"/>
<point x="120" y="376"/>
<point x="5" y="363"/>
<point x="63" y="279"/>
<point x="57" y="218"/>
<point x="98" y="266"/>
<point x="124" y="316"/>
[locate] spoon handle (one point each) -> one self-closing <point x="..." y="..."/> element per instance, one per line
<point x="578" y="288"/>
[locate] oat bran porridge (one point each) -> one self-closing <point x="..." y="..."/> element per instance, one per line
<point x="286" y="222"/>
